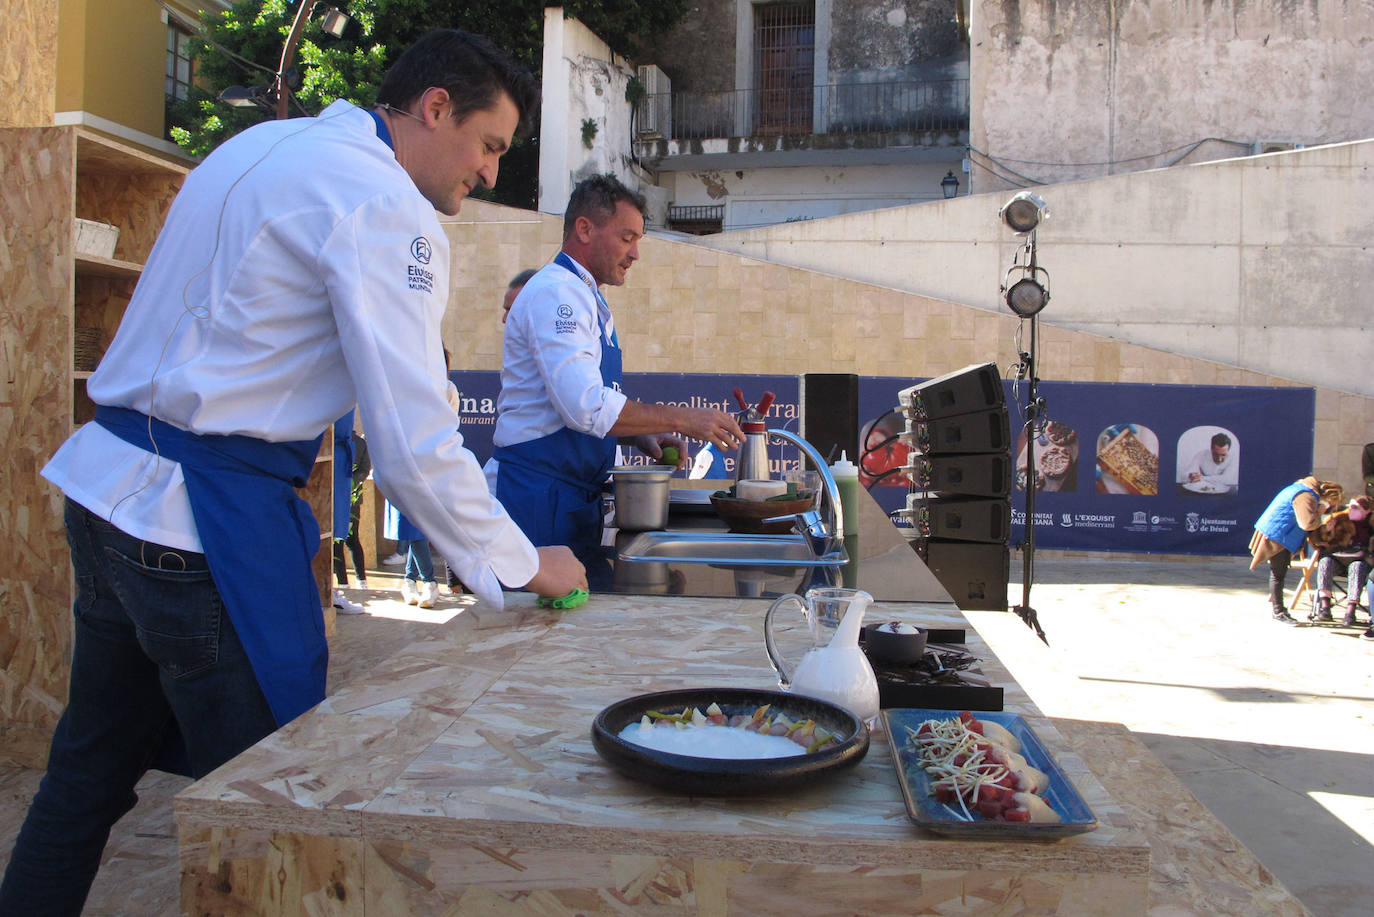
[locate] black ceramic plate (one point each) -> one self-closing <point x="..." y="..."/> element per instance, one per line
<point x="724" y="776"/>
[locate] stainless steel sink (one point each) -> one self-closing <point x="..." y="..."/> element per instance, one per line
<point x="728" y="549"/>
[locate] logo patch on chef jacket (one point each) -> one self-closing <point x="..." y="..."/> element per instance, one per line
<point x="420" y="278"/>
<point x="564" y="323"/>
<point x="421" y="250"/>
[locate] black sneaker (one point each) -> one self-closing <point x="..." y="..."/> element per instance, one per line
<point x="1284" y="617"/>
<point x="1349" y="619"/>
<point x="1322" y="612"/>
<point x="1369" y="634"/>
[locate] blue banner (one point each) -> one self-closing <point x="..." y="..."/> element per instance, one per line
<point x="1177" y="469"/>
<point x="1157" y="469"/>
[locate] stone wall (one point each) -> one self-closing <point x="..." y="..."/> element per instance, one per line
<point x="689" y="308"/>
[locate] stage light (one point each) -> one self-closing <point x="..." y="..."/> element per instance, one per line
<point x="1024" y="212"/>
<point x="1027" y="296"/>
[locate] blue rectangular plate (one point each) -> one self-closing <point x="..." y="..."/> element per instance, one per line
<point x="933" y="815"/>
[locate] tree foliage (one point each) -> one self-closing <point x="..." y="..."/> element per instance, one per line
<point x="243" y="45"/>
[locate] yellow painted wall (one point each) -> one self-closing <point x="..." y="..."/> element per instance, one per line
<point x="112" y="60"/>
<point x="71" y="54"/>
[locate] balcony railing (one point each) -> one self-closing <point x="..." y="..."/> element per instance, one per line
<point x="838" y="108"/>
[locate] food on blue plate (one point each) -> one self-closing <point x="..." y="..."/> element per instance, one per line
<point x="975" y="764"/>
<point x="716" y="734"/>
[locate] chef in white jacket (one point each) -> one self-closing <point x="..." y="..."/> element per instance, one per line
<point x="301" y="270"/>
<point x="561" y="411"/>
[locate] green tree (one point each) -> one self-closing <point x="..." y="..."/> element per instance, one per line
<point x="243" y="45"/>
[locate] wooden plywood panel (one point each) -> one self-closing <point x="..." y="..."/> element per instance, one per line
<point x="99" y="304"/>
<point x="260" y="873"/>
<point x="127" y="187"/>
<point x="28" y="62"/>
<point x="35" y="403"/>
<point x="484" y="879"/>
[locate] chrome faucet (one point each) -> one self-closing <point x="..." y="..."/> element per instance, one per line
<point x="820" y="531"/>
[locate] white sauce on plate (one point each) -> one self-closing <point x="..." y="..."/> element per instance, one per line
<point x="711" y="741"/>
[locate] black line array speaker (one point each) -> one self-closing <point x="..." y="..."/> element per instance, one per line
<point x="960" y="470"/>
<point x="960" y="518"/>
<point x="985" y="474"/>
<point x="975" y="575"/>
<point x="829" y="407"/>
<point x="980" y="431"/>
<point x="973" y="388"/>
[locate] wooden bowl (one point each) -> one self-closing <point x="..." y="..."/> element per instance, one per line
<point x="746" y="516"/>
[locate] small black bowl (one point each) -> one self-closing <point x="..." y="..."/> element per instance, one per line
<point x="900" y="649"/>
<point x="727" y="776"/>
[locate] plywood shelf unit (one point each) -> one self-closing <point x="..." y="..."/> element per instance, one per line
<point x="53" y="175"/>
<point x="130" y="188"/>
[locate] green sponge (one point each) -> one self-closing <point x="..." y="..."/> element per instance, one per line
<point x="564" y="602"/>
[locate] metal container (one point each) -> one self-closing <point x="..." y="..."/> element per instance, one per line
<point x="641" y="496"/>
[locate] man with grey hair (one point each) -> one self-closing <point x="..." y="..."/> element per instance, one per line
<point x="561" y="410"/>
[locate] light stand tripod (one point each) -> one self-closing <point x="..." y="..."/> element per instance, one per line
<point x="1026" y="297"/>
<point x="1034" y="412"/>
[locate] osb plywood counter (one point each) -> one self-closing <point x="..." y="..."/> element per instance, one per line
<point x="460" y="778"/>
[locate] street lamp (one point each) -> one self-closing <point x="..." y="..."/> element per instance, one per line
<point x="950" y="185"/>
<point x="287" y="78"/>
<point x="246" y="97"/>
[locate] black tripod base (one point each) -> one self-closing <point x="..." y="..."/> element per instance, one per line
<point x="1032" y="620"/>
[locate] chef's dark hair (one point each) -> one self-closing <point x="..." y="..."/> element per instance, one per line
<point x="473" y="70"/>
<point x="596" y="198"/>
<point x="1221" y="439"/>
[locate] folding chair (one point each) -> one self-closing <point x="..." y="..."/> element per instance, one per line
<point x="1304" y="561"/>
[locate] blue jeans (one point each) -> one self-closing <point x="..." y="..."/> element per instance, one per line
<point x="156" y="667"/>
<point x="419" y="562"/>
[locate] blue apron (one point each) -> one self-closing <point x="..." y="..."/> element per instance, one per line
<point x="397" y="527"/>
<point x="343" y="475"/>
<point x="551" y="486"/>
<point x="258" y="537"/>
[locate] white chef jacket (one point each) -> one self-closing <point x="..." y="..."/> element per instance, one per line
<point x="551" y="361"/>
<point x="1227" y="471"/>
<point x="299" y="271"/>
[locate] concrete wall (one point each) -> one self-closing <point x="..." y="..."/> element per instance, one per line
<point x="1261" y="262"/>
<point x="583" y="80"/>
<point x="1123" y="85"/>
<point x="906" y="40"/>
<point x="763" y="197"/>
<point x="689" y="308"/>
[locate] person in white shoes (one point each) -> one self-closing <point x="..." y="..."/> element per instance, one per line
<point x="344" y="607"/>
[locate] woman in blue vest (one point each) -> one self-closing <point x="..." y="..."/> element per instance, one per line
<point x="1282" y="529"/>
